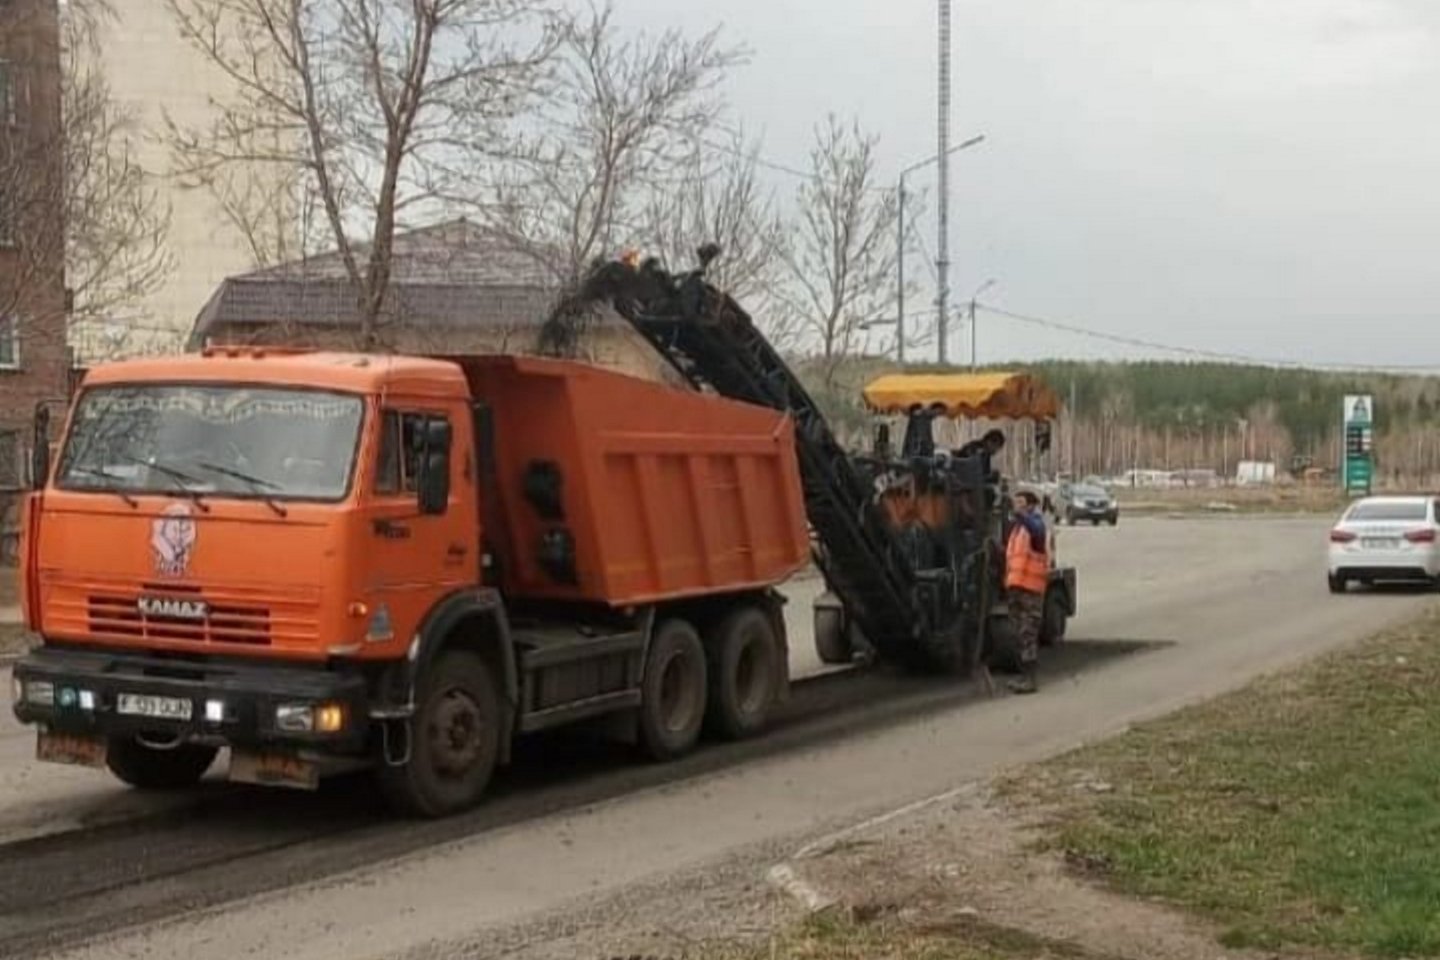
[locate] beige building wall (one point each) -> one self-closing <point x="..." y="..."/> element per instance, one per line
<point x="152" y="70"/>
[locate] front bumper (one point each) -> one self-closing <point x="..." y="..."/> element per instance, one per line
<point x="250" y="694"/>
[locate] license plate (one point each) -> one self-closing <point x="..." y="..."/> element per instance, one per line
<point x="1379" y="543"/>
<point x="159" y="708"/>
<point x="274" y="769"/>
<point x="70" y="748"/>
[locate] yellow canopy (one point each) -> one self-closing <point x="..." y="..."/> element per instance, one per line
<point x="989" y="396"/>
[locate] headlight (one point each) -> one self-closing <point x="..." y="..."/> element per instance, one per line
<point x="41" y="693"/>
<point x="310" y="718"/>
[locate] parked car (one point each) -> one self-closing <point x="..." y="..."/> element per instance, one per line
<point x="1386" y="539"/>
<point x="1087" y="502"/>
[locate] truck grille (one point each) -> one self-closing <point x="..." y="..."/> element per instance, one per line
<point x="234" y="616"/>
<point x="120" y="616"/>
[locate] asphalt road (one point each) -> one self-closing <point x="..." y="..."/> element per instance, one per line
<point x="1171" y="611"/>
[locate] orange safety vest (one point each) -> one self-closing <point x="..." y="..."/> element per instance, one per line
<point x="1025" y="568"/>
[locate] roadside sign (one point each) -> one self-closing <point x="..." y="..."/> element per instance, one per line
<point x="1358" y="466"/>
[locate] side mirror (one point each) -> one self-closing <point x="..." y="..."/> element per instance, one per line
<point x="40" y="449"/>
<point x="433" y="483"/>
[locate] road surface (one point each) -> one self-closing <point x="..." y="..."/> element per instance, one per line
<point x="1171" y="611"/>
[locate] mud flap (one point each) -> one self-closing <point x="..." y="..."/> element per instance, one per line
<point x="70" y="748"/>
<point x="274" y="769"/>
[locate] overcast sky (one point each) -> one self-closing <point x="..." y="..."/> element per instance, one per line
<point x="1259" y="177"/>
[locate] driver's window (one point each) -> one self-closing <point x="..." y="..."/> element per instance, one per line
<point x="399" y="460"/>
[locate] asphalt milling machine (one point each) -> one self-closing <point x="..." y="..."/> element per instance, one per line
<point x="910" y="543"/>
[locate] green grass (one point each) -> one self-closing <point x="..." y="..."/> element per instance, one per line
<point x="836" y="939"/>
<point x="1303" y="810"/>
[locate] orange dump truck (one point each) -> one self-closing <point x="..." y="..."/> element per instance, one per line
<point x="324" y="561"/>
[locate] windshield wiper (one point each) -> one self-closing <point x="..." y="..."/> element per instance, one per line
<point x="258" y="484"/>
<point x="178" y="478"/>
<point x="104" y="474"/>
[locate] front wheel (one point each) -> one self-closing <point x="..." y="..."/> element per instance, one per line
<point x="155" y="768"/>
<point x="454" y="740"/>
<point x="673" y="692"/>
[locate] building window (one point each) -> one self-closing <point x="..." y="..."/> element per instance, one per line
<point x="9" y="344"/>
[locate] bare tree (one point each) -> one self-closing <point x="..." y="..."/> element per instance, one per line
<point x="77" y="205"/>
<point x="619" y="122"/>
<point x="379" y="110"/>
<point x="840" y="260"/>
<point x="117" y="224"/>
<point x="716" y="197"/>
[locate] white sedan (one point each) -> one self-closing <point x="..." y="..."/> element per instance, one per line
<point x="1386" y="539"/>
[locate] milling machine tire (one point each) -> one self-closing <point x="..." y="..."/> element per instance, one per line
<point x="150" y="768"/>
<point x="745" y="674"/>
<point x="832" y="641"/>
<point x="1002" y="653"/>
<point x="454" y="740"/>
<point x="673" y="692"/>
<point x="1052" y="627"/>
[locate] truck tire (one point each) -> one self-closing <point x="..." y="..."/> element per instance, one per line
<point x="832" y="640"/>
<point x="151" y="768"/>
<point x="454" y="740"/>
<point x="673" y="691"/>
<point x="745" y="673"/>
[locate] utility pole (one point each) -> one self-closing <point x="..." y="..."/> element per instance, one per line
<point x="974" y="349"/>
<point x="900" y="273"/>
<point x="900" y="196"/>
<point x="942" y="245"/>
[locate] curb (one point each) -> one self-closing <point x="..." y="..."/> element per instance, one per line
<point x="784" y="877"/>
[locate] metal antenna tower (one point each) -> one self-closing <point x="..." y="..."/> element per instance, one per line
<point x="942" y="147"/>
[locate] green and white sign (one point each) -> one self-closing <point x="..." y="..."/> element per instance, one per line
<point x="1358" y="470"/>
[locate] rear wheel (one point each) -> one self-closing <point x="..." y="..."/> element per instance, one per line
<point x="157" y="768"/>
<point x="745" y="673"/>
<point x="673" y="693"/>
<point x="454" y="740"/>
<point x="1337" y="583"/>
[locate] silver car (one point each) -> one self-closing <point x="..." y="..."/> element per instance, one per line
<point x="1386" y="539"/>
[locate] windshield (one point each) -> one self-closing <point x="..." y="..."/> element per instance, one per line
<point x="221" y="440"/>
<point x="1089" y="492"/>
<point x="1389" y="510"/>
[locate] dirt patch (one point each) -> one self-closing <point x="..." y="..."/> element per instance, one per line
<point x="1221" y="500"/>
<point x="970" y="859"/>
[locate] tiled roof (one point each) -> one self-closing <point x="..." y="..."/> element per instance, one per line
<point x="451" y="275"/>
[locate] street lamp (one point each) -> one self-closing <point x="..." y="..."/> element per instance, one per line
<point x="974" y="356"/>
<point x="900" y="250"/>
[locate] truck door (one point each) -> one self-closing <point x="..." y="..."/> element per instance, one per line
<point x="414" y="557"/>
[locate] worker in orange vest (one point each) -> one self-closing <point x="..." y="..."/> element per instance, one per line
<point x="1027" y="573"/>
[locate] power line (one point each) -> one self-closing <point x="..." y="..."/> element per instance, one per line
<point x="1199" y="352"/>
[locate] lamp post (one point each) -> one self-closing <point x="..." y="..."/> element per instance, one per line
<point x="900" y="245"/>
<point x="974" y="355"/>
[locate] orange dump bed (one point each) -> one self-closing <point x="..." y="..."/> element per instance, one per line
<point x="622" y="491"/>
